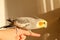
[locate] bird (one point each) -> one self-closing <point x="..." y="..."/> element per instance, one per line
<point x="28" y="23"/>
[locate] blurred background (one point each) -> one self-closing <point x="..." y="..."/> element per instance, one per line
<point x="45" y="9"/>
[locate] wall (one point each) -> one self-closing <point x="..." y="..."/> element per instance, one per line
<point x="2" y="13"/>
<point x="30" y="7"/>
<point x="21" y="8"/>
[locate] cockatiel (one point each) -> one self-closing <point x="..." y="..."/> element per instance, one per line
<point x="31" y="23"/>
<point x="28" y="23"/>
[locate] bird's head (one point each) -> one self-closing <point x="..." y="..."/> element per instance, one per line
<point x="42" y="23"/>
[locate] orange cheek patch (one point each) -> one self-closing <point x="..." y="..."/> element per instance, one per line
<point x="41" y="23"/>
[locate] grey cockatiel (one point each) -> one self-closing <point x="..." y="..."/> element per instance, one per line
<point x="28" y="23"/>
<point x="31" y="23"/>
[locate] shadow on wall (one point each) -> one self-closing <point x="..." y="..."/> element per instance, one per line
<point x="52" y="32"/>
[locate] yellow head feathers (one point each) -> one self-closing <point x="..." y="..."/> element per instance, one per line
<point x="41" y="23"/>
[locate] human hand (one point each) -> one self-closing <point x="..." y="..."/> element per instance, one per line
<point x="23" y="33"/>
<point x="11" y="34"/>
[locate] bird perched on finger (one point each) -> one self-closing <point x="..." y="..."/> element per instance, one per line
<point x="31" y="23"/>
<point x="28" y="23"/>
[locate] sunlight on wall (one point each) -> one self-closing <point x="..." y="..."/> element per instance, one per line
<point x="45" y="6"/>
<point x="52" y="5"/>
<point x="2" y="13"/>
<point x="44" y="3"/>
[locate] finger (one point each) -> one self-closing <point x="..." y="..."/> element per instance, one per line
<point x="34" y="34"/>
<point x="31" y="33"/>
<point x="22" y="37"/>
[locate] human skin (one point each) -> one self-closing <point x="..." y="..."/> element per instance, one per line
<point x="12" y="34"/>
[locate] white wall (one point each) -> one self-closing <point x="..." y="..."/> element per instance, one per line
<point x="2" y="13"/>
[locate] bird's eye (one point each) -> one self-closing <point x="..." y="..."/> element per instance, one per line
<point x="44" y="22"/>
